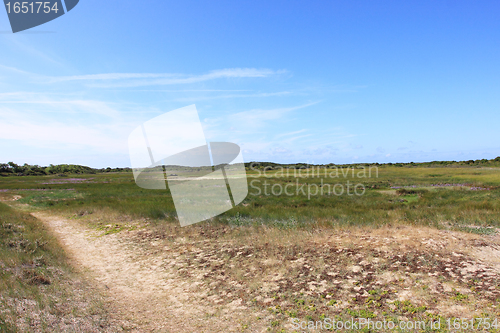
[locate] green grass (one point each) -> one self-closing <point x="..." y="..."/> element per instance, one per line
<point x="26" y="251"/>
<point x="380" y="204"/>
<point x="47" y="198"/>
<point x="36" y="281"/>
<point x="26" y="248"/>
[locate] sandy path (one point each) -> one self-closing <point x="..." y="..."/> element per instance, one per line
<point x="147" y="294"/>
<point x="144" y="296"/>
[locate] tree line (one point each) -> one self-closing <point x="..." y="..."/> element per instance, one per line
<point x="433" y="164"/>
<point x="12" y="168"/>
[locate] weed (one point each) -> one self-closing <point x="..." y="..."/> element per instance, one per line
<point x="362" y="313"/>
<point x="34" y="271"/>
<point x="459" y="296"/>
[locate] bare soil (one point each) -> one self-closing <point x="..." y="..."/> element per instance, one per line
<point x="144" y="294"/>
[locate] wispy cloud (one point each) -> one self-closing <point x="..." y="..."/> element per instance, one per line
<point x="66" y="107"/>
<point x="15" y="70"/>
<point x="261" y="117"/>
<point x="294" y="138"/>
<point x="191" y="90"/>
<point x="35" y="52"/>
<point x="61" y="113"/>
<point x="290" y="133"/>
<point x="104" y="138"/>
<point x="229" y="96"/>
<point x="114" y="80"/>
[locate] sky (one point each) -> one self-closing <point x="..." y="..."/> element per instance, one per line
<point x="289" y="81"/>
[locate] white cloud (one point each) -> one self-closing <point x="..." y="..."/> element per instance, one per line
<point x="51" y="105"/>
<point x="64" y="136"/>
<point x="292" y="139"/>
<point x="57" y="123"/>
<point x="228" y="96"/>
<point x="60" y="114"/>
<point x="290" y="133"/>
<point x="114" y="80"/>
<point x="15" y="70"/>
<point x="259" y="117"/>
<point x="35" y="52"/>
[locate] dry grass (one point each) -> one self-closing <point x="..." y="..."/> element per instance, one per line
<point x="39" y="291"/>
<point x="397" y="272"/>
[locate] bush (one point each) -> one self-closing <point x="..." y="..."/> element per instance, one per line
<point x="404" y="191"/>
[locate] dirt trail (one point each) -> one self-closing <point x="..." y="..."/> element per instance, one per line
<point x="218" y="285"/>
<point x="144" y="296"/>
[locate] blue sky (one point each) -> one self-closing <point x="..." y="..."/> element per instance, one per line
<point x="290" y="81"/>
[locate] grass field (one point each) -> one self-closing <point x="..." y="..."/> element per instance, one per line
<point x="39" y="289"/>
<point x="411" y="243"/>
<point x="410" y="195"/>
